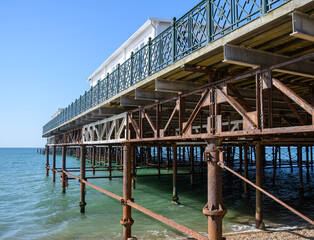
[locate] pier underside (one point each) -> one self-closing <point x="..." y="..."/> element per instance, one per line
<point x="250" y="89"/>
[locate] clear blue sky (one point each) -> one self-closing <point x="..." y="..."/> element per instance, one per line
<point x="49" y="47"/>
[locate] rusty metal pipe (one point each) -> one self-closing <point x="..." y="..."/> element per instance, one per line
<point x="47" y="161"/>
<point x="259" y="182"/>
<point x="54" y="163"/>
<point x="82" y="202"/>
<point x="214" y="210"/>
<point x="127" y="220"/>
<point x="175" y="197"/>
<point x="63" y="176"/>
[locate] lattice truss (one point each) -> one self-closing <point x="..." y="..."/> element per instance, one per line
<point x="111" y="129"/>
<point x="222" y="110"/>
<point x="69" y="137"/>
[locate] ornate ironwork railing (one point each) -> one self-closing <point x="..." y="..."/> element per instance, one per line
<point x="205" y="23"/>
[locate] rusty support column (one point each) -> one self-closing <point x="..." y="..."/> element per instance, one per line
<point x="127" y="220"/>
<point x="192" y="165"/>
<point x="214" y="210"/>
<point x="240" y="159"/>
<point x="159" y="160"/>
<point x="94" y="159"/>
<point x="63" y="176"/>
<point x="259" y="181"/>
<point x="82" y="202"/>
<point x="246" y="172"/>
<point x="300" y="169"/>
<point x="175" y="198"/>
<point x="167" y="160"/>
<point x="290" y="159"/>
<point x="201" y="159"/>
<point x="54" y="163"/>
<point x="47" y="161"/>
<point x="307" y="162"/>
<point x="133" y="160"/>
<point x="109" y="161"/>
<point x="312" y="158"/>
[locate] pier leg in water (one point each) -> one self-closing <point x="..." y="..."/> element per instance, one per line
<point x="54" y="164"/>
<point x="259" y="181"/>
<point x="246" y="172"/>
<point x="175" y="198"/>
<point x="167" y="160"/>
<point x="300" y="169"/>
<point x="192" y="165"/>
<point x="311" y="157"/>
<point x="307" y="162"/>
<point x="82" y="202"/>
<point x="290" y="159"/>
<point x="240" y="160"/>
<point x="214" y="210"/>
<point x="94" y="159"/>
<point x="63" y="176"/>
<point x="158" y="159"/>
<point x="127" y="220"/>
<point x="47" y="161"/>
<point x="133" y="160"/>
<point x="109" y="161"/>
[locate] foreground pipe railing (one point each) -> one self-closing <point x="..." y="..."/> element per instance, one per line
<point x="146" y="211"/>
<point x="222" y="165"/>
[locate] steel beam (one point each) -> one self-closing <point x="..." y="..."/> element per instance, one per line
<point x="128" y="101"/>
<point x="175" y="86"/>
<point x="145" y="94"/>
<point x="303" y="26"/>
<point x="254" y="58"/>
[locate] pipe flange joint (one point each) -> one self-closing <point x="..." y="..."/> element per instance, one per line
<point x="82" y="204"/>
<point x="221" y="211"/>
<point x="127" y="222"/>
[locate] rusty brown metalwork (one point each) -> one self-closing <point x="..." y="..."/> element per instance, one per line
<point x="214" y="210"/>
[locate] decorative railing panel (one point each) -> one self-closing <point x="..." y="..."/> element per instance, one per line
<point x="205" y="23"/>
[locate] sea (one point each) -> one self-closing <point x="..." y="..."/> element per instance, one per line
<point x="33" y="207"/>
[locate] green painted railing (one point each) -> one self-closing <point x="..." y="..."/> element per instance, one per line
<point x="205" y="23"/>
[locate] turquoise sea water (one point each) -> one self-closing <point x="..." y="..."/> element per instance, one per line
<point x="32" y="207"/>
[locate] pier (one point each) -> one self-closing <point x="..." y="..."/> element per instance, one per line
<point x="227" y="87"/>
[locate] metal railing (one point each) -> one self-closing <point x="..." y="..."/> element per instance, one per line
<point x="205" y="23"/>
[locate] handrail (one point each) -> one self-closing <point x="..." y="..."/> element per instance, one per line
<point x="206" y="22"/>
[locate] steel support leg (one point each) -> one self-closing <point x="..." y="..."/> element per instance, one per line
<point x="109" y="162"/>
<point x="175" y="198"/>
<point x="127" y="220"/>
<point x="94" y="159"/>
<point x="159" y="159"/>
<point x="133" y="160"/>
<point x="246" y="171"/>
<point x="259" y="181"/>
<point x="63" y="176"/>
<point x="54" y="164"/>
<point x="214" y="210"/>
<point x="82" y="202"/>
<point x="192" y="165"/>
<point x="300" y="169"/>
<point x="47" y="161"/>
